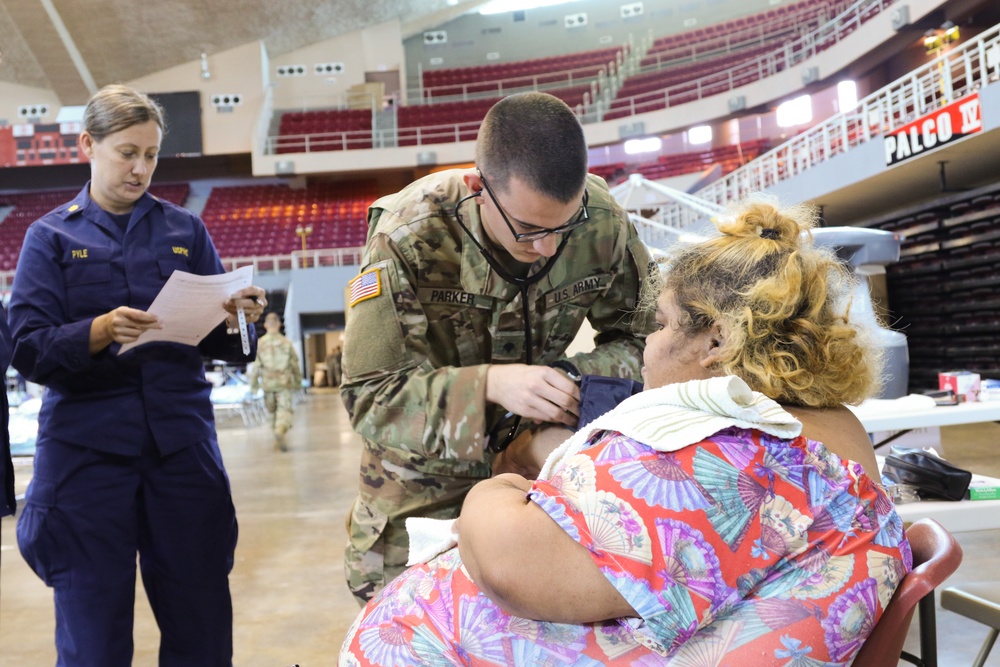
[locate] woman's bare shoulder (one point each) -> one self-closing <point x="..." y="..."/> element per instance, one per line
<point x="841" y="432"/>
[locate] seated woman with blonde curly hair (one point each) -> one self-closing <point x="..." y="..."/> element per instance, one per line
<point x="730" y="513"/>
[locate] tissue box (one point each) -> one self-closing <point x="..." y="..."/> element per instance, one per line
<point x="965" y="384"/>
<point x="990" y="390"/>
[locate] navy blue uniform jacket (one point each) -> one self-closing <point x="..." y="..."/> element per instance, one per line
<point x="7" y="504"/>
<point x="77" y="264"/>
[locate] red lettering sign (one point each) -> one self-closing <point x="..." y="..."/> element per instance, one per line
<point x="950" y="123"/>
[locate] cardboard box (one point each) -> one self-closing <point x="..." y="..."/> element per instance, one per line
<point x="965" y="384"/>
<point x="366" y="95"/>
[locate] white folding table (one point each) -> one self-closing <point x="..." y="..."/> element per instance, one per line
<point x="884" y="416"/>
<point x="902" y="416"/>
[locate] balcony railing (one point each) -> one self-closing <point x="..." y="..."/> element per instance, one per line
<point x="599" y="101"/>
<point x="296" y="260"/>
<point x="949" y="77"/>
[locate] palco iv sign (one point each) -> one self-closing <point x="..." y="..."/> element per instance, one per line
<point x="950" y="123"/>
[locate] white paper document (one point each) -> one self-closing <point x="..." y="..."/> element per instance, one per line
<point x="190" y="306"/>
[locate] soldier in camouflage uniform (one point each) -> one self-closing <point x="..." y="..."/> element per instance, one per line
<point x="436" y="340"/>
<point x="277" y="371"/>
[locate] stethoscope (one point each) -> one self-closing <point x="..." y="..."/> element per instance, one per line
<point x="523" y="284"/>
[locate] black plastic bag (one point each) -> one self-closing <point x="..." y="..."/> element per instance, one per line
<point x="934" y="477"/>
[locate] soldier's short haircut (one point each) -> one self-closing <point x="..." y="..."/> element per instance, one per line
<point x="538" y="138"/>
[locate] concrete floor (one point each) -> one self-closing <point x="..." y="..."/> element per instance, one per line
<point x="290" y="602"/>
<point x="289" y="598"/>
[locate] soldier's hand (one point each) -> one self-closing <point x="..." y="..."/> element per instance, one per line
<point x="541" y="393"/>
<point x="526" y="454"/>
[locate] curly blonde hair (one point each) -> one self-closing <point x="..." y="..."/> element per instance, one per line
<point x="783" y="305"/>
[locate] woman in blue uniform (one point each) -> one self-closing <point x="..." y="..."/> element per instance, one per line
<point x="127" y="459"/>
<point x="7" y="504"/>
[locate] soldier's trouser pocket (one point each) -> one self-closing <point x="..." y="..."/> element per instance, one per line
<point x="364" y="557"/>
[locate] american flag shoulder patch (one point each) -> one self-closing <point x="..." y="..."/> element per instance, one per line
<point x="366" y="286"/>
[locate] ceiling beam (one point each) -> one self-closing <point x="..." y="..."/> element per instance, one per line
<point x="54" y="49"/>
<point x="437" y="19"/>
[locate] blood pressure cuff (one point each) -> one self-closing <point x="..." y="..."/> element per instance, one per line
<point x="933" y="476"/>
<point x="599" y="394"/>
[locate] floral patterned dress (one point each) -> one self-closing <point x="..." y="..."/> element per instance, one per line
<point x="743" y="549"/>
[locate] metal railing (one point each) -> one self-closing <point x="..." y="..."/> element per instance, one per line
<point x="320" y="141"/>
<point x="781" y="28"/>
<point x="479" y="90"/>
<point x="947" y="78"/>
<point x="767" y="65"/>
<point x="376" y="138"/>
<point x="654" y="61"/>
<point x="265" y="263"/>
<point x="296" y="260"/>
<point x="600" y="99"/>
<point x="472" y="90"/>
<point x="660" y="236"/>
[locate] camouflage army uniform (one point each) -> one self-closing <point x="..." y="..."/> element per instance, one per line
<point x="416" y="353"/>
<point x="277" y="371"/>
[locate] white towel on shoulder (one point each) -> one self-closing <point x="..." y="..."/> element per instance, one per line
<point x="677" y="415"/>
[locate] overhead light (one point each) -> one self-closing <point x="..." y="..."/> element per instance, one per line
<point x="795" y="112"/>
<point x="847" y="95"/>
<point x="647" y="145"/>
<point x="701" y="134"/>
<point x="939" y="39"/>
<point x="501" y="6"/>
<point x="950" y="32"/>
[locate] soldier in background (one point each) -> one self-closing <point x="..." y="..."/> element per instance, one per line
<point x="474" y="283"/>
<point x="333" y="360"/>
<point x="277" y="371"/>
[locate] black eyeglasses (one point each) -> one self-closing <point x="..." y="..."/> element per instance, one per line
<point x="527" y="237"/>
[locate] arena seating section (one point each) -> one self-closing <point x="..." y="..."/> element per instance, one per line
<point x="729" y="158"/>
<point x="29" y="207"/>
<point x="326" y="130"/>
<point x="780" y="23"/>
<point x="243" y="221"/>
<point x="552" y="74"/>
<point x="251" y="220"/>
<point x="247" y="221"/>
<point x="681" y="68"/>
<point x="687" y="82"/>
<point x="441" y="123"/>
<point x="694" y="63"/>
<point x="944" y="293"/>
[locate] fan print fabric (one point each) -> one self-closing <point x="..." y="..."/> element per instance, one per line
<point x="742" y="549"/>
